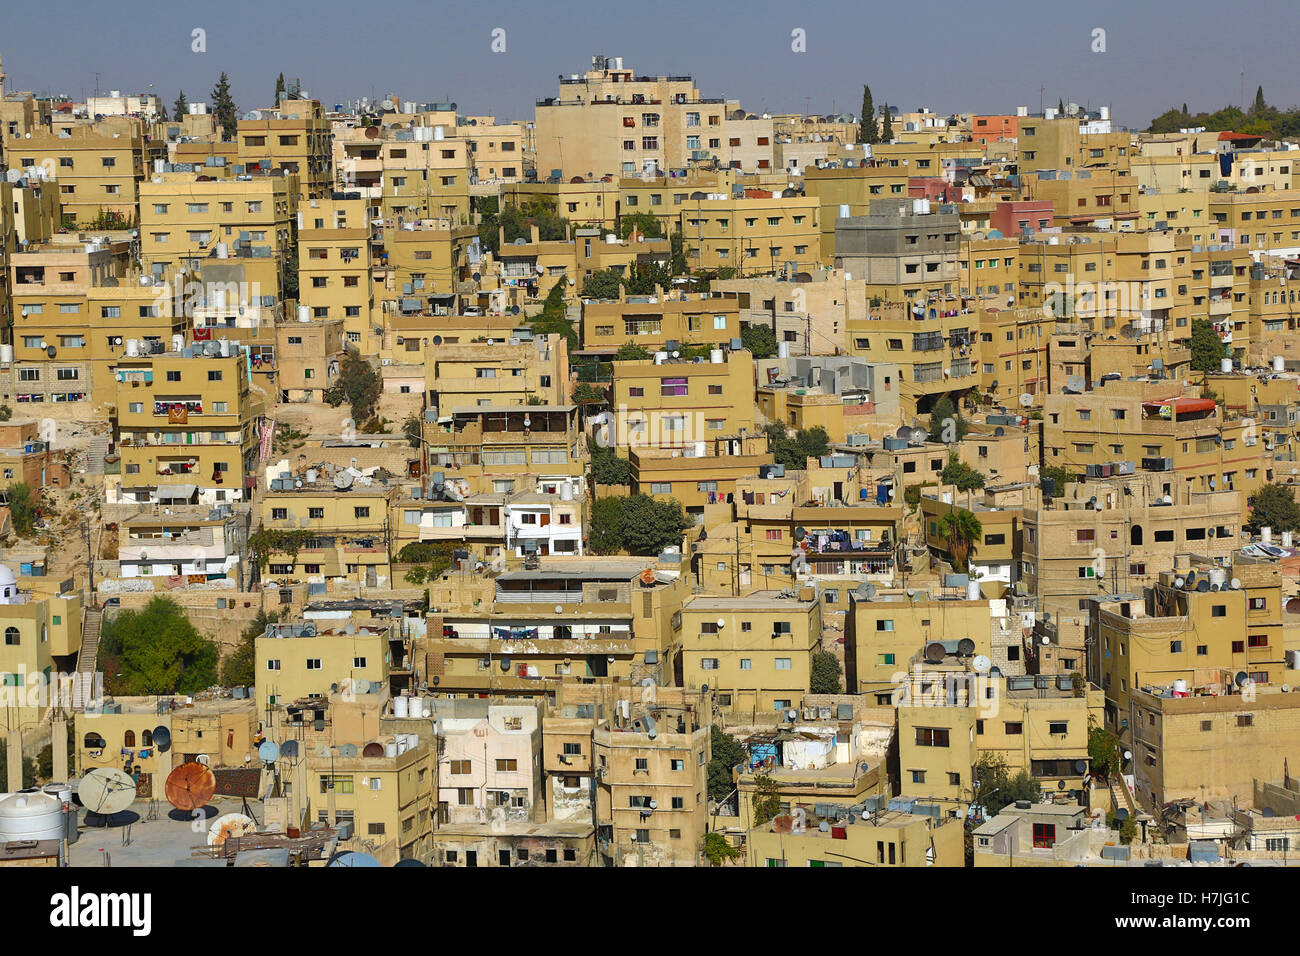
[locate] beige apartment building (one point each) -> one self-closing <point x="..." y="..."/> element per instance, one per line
<point x="294" y="139"/>
<point x="335" y="266"/>
<point x="651" y="766"/>
<point x="506" y="448"/>
<point x="475" y="374"/>
<point x="670" y="403"/>
<point x="186" y="426"/>
<point x="97" y="169"/>
<point x="755" y="652"/>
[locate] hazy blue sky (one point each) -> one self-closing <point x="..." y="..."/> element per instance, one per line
<point x="971" y="57"/>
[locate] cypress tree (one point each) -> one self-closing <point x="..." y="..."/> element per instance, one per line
<point x="887" y="127"/>
<point x="867" y="131"/>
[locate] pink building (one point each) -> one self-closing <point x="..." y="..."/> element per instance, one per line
<point x="1013" y="218"/>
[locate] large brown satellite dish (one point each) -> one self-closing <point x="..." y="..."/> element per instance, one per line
<point x="190" y="786"/>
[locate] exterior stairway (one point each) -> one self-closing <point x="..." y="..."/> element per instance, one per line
<point x="83" y="689"/>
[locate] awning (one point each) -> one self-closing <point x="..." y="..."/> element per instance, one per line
<point x="176" y="492"/>
<point x="1180" y="406"/>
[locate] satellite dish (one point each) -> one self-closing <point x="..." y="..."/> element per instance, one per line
<point x="190" y="786"/>
<point x="1235" y="583"/>
<point x="352" y="858"/>
<point x="348" y="750"/>
<point x="800" y="533"/>
<point x="408" y="862"/>
<point x="1242" y="678"/>
<point x="343" y="480"/>
<point x="721" y="622"/>
<point x="362" y="685"/>
<point x="1179" y="582"/>
<point x="269" y="751"/>
<point x="965" y="647"/>
<point x="792" y="714"/>
<point x="203" y="759"/>
<point x="106" y="791"/>
<point x="1081" y="766"/>
<point x="505" y="663"/>
<point x="230" y="825"/>
<point x="289" y="748"/>
<point x="981" y="664"/>
<point x="934" y="652"/>
<point x="1046" y="639"/>
<point x="373" y="749"/>
<point x="1074" y="383"/>
<point x="162" y="739"/>
<point x="388" y="105"/>
<point x="1122" y="813"/>
<point x="1026" y="400"/>
<point x="1128" y="755"/>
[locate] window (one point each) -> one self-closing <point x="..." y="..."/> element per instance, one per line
<point x="931" y="737"/>
<point x="1044" y="835"/>
<point x="1012" y="728"/>
<point x="507" y="765"/>
<point x="460" y="767"/>
<point x="361" y="512"/>
<point x="313" y="664"/>
<point x="783" y="663"/>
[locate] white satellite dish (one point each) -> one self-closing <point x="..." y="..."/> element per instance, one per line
<point x="1026" y="400"/>
<point x="1236" y="584"/>
<point x="722" y="622"/>
<point x="981" y="664"/>
<point x="230" y="825"/>
<point x="1046" y="639"/>
<point x="106" y="791"/>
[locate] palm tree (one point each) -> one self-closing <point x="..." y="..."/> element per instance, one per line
<point x="961" y="532"/>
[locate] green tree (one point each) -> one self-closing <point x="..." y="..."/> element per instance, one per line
<point x="358" y="384"/>
<point x="960" y="532"/>
<point x="240" y="668"/>
<point x="643" y="278"/>
<point x="224" y="110"/>
<point x="554" y="317"/>
<point x="868" y="132"/>
<point x="1060" y="477"/>
<point x="1128" y="831"/>
<point x="24" y="508"/>
<point x="1207" y="347"/>
<point x="180" y="108"/>
<point x="958" y="473"/>
<point x="606" y="526"/>
<point x="631" y="352"/>
<point x="279" y="88"/>
<point x="759" y="340"/>
<point x="1060" y="106"/>
<point x="289" y="266"/>
<point x="997" y="787"/>
<point x="726" y="754"/>
<point x="651" y="525"/>
<point x="887" y="125"/>
<point x="946" y="423"/>
<point x="602" y="284"/>
<point x="1273" y="506"/>
<point x="677" y="253"/>
<point x="644" y="223"/>
<point x="1259" y="105"/>
<point x="157" y="651"/>
<point x="795" y="452"/>
<point x="718" y="849"/>
<point x="824" y="674"/>
<point x="412" y="428"/>
<point x="584" y="393"/>
<point x="766" y="801"/>
<point x="607" y="468"/>
<point x="1103" y="750"/>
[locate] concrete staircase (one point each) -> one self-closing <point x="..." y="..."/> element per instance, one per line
<point x="95" y="454"/>
<point x="83" y="690"/>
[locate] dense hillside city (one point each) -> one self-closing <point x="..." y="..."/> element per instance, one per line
<point x="646" y="481"/>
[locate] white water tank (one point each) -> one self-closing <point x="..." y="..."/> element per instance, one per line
<point x="661" y="357"/>
<point x="132" y="348"/>
<point x="6" y="353"/>
<point x="31" y="815"/>
<point x="223" y="251"/>
<point x="439" y="133"/>
<point x="218" y="298"/>
<point x="390" y="749"/>
<point x="178" y="342"/>
<point x="401" y="707"/>
<point x="1180" y="686"/>
<point x="566" y="491"/>
<point x="1286" y="539"/>
<point x="973" y="590"/>
<point x="1218" y="576"/>
<point x="844" y="210"/>
<point x="1225" y="365"/>
<point x="1279" y="363"/>
<point x="1266" y="535"/>
<point x="304" y="313"/>
<point x="783" y="350"/>
<point x="715" y="356"/>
